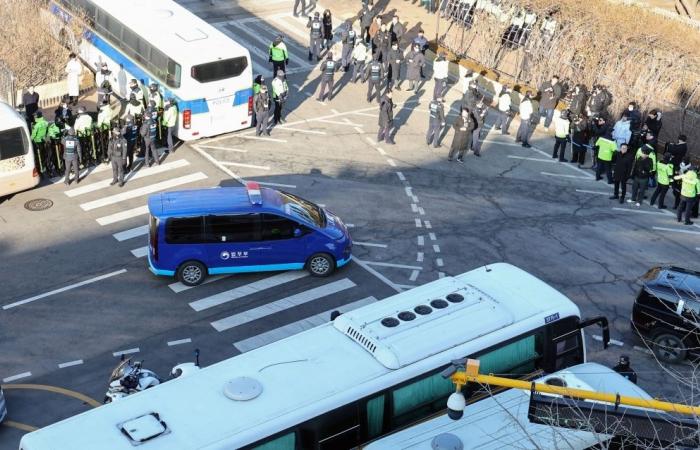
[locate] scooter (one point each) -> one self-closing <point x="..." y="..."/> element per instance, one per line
<point x="128" y="378"/>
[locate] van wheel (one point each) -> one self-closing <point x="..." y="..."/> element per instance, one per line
<point x="191" y="273"/>
<point x="320" y="264"/>
<point x="669" y="348"/>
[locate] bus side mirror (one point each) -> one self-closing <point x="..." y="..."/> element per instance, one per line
<point x="603" y="322"/>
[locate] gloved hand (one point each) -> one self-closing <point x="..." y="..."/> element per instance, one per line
<point x="286" y="62"/>
<point x="269" y="59"/>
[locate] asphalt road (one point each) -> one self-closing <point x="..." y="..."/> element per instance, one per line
<point x="76" y="291"/>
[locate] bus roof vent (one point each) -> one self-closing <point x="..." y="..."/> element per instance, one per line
<point x="143" y="428"/>
<point x="188" y="34"/>
<point x="446" y="441"/>
<point x="242" y="389"/>
<point x="419" y="323"/>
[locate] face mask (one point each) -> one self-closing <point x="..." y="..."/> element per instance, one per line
<point x="631" y="108"/>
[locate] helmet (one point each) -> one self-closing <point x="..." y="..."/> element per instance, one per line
<point x="317" y="14"/>
<point x="70" y="131"/>
<point x="153" y="87"/>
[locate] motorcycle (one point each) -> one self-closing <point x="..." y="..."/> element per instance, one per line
<point x="128" y="378"/>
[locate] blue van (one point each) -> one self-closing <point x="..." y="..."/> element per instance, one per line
<point x="200" y="232"/>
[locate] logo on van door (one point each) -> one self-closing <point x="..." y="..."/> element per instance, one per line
<point x="225" y="255"/>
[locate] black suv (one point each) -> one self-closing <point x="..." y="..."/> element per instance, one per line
<point x="666" y="313"/>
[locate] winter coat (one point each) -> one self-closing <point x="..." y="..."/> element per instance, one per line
<point x="623" y="166"/>
<point x="414" y="61"/>
<point x="73" y="70"/>
<point x="654" y="125"/>
<point x="327" y="26"/>
<point x="463" y="132"/>
<point x="642" y="168"/>
<point x="366" y="18"/>
<point x="386" y="112"/>
<point x="622" y="132"/>
<point x="578" y="102"/>
<point x="678" y="152"/>
<point x="550" y="95"/>
<point x="397" y="31"/>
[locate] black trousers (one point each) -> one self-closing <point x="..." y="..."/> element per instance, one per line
<point x="278" y="65"/>
<point x="129" y="161"/>
<point x="659" y="192"/>
<point x="277" y="115"/>
<point x="620" y="184"/>
<point x="686" y="206"/>
<point x="578" y="153"/>
<point x="639" y="187"/>
<point x="559" y="144"/>
<point x="603" y="166"/>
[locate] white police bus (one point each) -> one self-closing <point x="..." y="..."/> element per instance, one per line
<point x="340" y="385"/>
<point x="158" y="41"/>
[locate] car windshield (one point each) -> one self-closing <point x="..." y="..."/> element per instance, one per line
<point x="303" y="209"/>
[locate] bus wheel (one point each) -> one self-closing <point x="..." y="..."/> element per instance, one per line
<point x="191" y="273"/>
<point x="320" y="264"/>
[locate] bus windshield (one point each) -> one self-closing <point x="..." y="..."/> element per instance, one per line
<point x="303" y="209"/>
<point x="219" y="70"/>
<point x="12" y="143"/>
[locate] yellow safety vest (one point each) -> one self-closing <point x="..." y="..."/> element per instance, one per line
<point x="689" y="186"/>
<point x="664" y="172"/>
<point x="606" y="149"/>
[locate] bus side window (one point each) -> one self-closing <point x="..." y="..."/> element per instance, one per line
<point x="374" y="421"/>
<point x="419" y="399"/>
<point x="284" y="442"/>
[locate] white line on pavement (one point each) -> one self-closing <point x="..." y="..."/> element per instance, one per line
<point x="406" y="287"/>
<point x="179" y="342"/>
<point x="282" y="304"/>
<point x="532" y="159"/>
<point x="17" y="377"/>
<point x="676" y="230"/>
<point x="592" y="192"/>
<point x="612" y="341"/>
<point x="427" y="224"/>
<point x="381" y="151"/>
<point x="432" y="236"/>
<point x="179" y="287"/>
<point x="369" y="244"/>
<point x="414" y="207"/>
<point x="546" y="155"/>
<point x="64" y="289"/>
<point x="420" y="256"/>
<point x="248" y="289"/>
<point x="335" y="122"/>
<point x="697" y="248"/>
<point x="77" y="362"/>
<point x="643" y="350"/>
<point x="640" y="211"/>
<point x="414" y="198"/>
<point x="265" y="183"/>
<point x="371" y="270"/>
<point x="391" y="162"/>
<point x="249" y="166"/>
<point x="140" y="252"/>
<point x="335" y="111"/>
<point x="414" y="275"/>
<point x="421" y="211"/>
<point x="84" y="172"/>
<point x="261" y="138"/>
<point x="397" y="266"/>
<point x="156" y="187"/>
<point x="441" y="274"/>
<point x="297" y="327"/>
<point x="123" y="215"/>
<point x="492" y="141"/>
<point x="421" y="240"/>
<point x="401" y="176"/>
<point x="439" y="262"/>
<point x="214" y="161"/>
<point x="282" y="127"/>
<point x="128" y="351"/>
<point x="131" y="233"/>
<point x="374" y="116"/>
<point x="359" y="130"/>
<point x="418" y="222"/>
<point x="566" y="176"/>
<point x="436" y="248"/>
<point x="215" y="147"/>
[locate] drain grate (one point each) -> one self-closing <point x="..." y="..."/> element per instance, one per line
<point x="38" y="204"/>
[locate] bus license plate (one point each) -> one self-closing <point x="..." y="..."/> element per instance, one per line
<point x="218" y="102"/>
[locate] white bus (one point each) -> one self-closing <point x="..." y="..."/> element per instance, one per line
<point x="501" y="421"/>
<point x="208" y="74"/>
<point x="342" y="384"/>
<point x="17" y="169"/>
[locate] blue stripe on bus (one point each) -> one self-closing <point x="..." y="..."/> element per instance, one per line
<point x="241" y="97"/>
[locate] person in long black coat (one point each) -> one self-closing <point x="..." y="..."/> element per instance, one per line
<point x="327" y="29"/>
<point x="462" y="139"/>
<point x="622" y="172"/>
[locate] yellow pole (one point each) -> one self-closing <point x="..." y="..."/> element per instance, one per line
<point x="460" y="378"/>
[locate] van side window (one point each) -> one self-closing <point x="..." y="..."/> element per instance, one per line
<point x="276" y="227"/>
<point x="233" y="228"/>
<point x="184" y="230"/>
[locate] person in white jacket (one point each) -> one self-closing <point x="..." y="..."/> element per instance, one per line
<point x="622" y="131"/>
<point x="504" y="116"/>
<point x="73" y="71"/>
<point x="440" y="73"/>
<point x="359" y="58"/>
<point x="525" y="115"/>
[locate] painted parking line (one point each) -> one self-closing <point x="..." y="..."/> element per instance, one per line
<point x="276" y="334"/>
<point x="56" y="390"/>
<point x="228" y="149"/>
<point x="179" y="342"/>
<point x="129" y="351"/>
<point x="150" y="189"/>
<point x="299" y="130"/>
<point x="260" y="138"/>
<point x="414" y="275"/>
<point x="131" y="233"/>
<point x="639" y="211"/>
<point x="584" y="191"/>
<point x="379" y="276"/>
<point x="532" y="159"/>
<point x="432" y="236"/>
<point x="396" y="266"/>
<point x="282" y="304"/>
<point x="406" y="287"/>
<point x="18" y="425"/>
<point x="64" y="289"/>
<point x="140" y="252"/>
<point x="421" y="240"/>
<point x="248" y="166"/>
<point x="77" y="362"/>
<point x="179" y="287"/>
<point x="549" y="174"/>
<point x="248" y="289"/>
<point x="123" y="215"/>
<point x="266" y="183"/>
<point x="19" y="376"/>
<point x="335" y="122"/>
<point x="676" y="230"/>
<point x="599" y="338"/>
<point x="439" y="262"/>
<point x="643" y="350"/>
<point x="369" y="244"/>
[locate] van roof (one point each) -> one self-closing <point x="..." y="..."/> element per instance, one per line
<point x="218" y="200"/>
<point x="9" y="118"/>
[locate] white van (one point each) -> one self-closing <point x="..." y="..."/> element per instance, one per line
<point x="17" y="167"/>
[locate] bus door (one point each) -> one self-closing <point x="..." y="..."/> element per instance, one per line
<point x="234" y="241"/>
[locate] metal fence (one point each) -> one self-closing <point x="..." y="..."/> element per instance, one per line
<point x="8" y="85"/>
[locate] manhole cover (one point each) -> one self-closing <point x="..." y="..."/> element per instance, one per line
<point x="38" y="204"/>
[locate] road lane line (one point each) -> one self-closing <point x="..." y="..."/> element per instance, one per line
<point x="179" y="342"/>
<point x="260" y="138"/>
<point x="334" y="122"/>
<point x="549" y="174"/>
<point x="639" y="211"/>
<point x="216" y="147"/>
<point x="77" y="362"/>
<point x="533" y="159"/>
<point x="432" y="236"/>
<point x="19" y="376"/>
<point x="64" y="289"/>
<point x="140" y="252"/>
<point x="436" y="248"/>
<point x="282" y="127"/>
<point x="676" y="230"/>
<point x="248" y="289"/>
<point x="427" y="224"/>
<point x="282" y="304"/>
<point x="418" y="223"/>
<point x="216" y="163"/>
<point x="129" y="351"/>
<point x="397" y="266"/>
<point x="439" y="262"/>
<point x="401" y="176"/>
<point x="56" y="390"/>
<point x="369" y="244"/>
<point x="414" y="275"/>
<point x="420" y="256"/>
<point x="592" y="192"/>
<point x="421" y="240"/>
<point x="84" y="172"/>
<point x="179" y="287"/>
<point x="131" y="233"/>
<point x="288" y="186"/>
<point x="249" y="166"/>
<point x="371" y="270"/>
<point x="123" y="215"/>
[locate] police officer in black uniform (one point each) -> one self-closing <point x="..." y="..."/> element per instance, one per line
<point x="117" y="148"/>
<point x="149" y="133"/>
<point x="394" y="59"/>
<point x="71" y="155"/>
<point x="348" y="38"/>
<point x="328" y="69"/>
<point x="437" y="121"/>
<point x="374" y="73"/>
<point x="262" y="111"/>
<point x="130" y="133"/>
<point x="386" y="119"/>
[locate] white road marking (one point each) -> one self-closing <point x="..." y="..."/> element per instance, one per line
<point x="282" y="127"/>
<point x="156" y="187"/>
<point x="288" y="186"/>
<point x="391" y="162"/>
<point x="415" y="198"/>
<point x="374" y="116"/>
<point x="421" y="240"/>
<point x="409" y="190"/>
<point x="140" y="252"/>
<point x="381" y="151"/>
<point x="17" y="377"/>
<point x="283" y="304"/>
<point x="697" y="248"/>
<point x="397" y="266"/>
<point x="414" y="207"/>
<point x="77" y="362"/>
<point x="427" y="224"/>
<point x="249" y="166"/>
<point x="350" y="225"/>
<point x="441" y="274"/>
<point x="547" y="155"/>
<point x="236" y="24"/>
<point x="248" y="289"/>
<point x="276" y="334"/>
<point x="335" y="111"/>
<point x="676" y="230"/>
<point x="179" y="342"/>
<point x="215" y="147"/>
<point x="133" y="175"/>
<point x="64" y="289"/>
<point x="592" y="192"/>
<point x="549" y="174"/>
<point x="612" y="341"/>
<point x="414" y="275"/>
<point x="533" y="159"/>
<point x="507" y="144"/>
<point x="131" y="233"/>
<point x="371" y="141"/>
<point x="379" y="276"/>
<point x="439" y="262"/>
<point x="216" y="163"/>
<point x="420" y="256"/>
<point x="432" y="236"/>
<point x="84" y="172"/>
<point x="421" y="211"/>
<point x="123" y="215"/>
<point x="359" y="130"/>
<point x="643" y="350"/>
<point x="129" y="351"/>
<point x="369" y="244"/>
<point x="335" y="122"/>
<point x="401" y="176"/>
<point x="179" y="287"/>
<point x="436" y="248"/>
<point x="418" y="223"/>
<point x="260" y="138"/>
<point x="639" y="211"/>
<point x="406" y="287"/>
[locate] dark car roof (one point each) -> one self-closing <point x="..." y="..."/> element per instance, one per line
<point x="671" y="279"/>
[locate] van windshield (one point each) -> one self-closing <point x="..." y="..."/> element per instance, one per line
<point x="303" y="209"/>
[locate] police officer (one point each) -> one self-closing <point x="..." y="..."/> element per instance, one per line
<point x="348" y="38"/>
<point x="64" y="112"/>
<point x="135" y="89"/>
<point x="328" y="69"/>
<point x="374" y="75"/>
<point x="382" y="41"/>
<point x="39" y="130"/>
<point x="414" y="64"/>
<point x="386" y="119"/>
<point x="280" y="92"/>
<point x="664" y="174"/>
<point x="437" y="121"/>
<point x="623" y="368"/>
<point x="134" y="107"/>
<point x="690" y="190"/>
<point x="71" y="155"/>
<point x="315" y="36"/>
<point x="84" y="128"/>
<point x="149" y="132"/>
<point x="262" y="111"/>
<point x="104" y="123"/>
<point x="395" y="59"/>
<point x="479" y="113"/>
<point x="155" y="100"/>
<point x="169" y="122"/>
<point x="130" y="133"/>
<point x="359" y="58"/>
<point x="278" y="55"/>
<point x="463" y="126"/>
<point x="53" y="143"/>
<point x="117" y="149"/>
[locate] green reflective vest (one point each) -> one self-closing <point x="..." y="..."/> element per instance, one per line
<point x="689" y="185"/>
<point x="170" y="116"/>
<point x="39" y="130"/>
<point x="54" y="131"/>
<point x="664" y="172"/>
<point x="279" y="52"/>
<point x="606" y="149"/>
